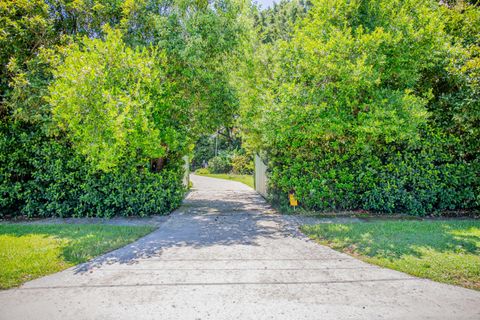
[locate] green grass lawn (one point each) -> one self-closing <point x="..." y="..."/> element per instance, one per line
<point x="444" y="251"/>
<point x="31" y="251"/>
<point x="243" y="178"/>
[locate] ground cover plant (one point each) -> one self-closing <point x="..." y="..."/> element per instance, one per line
<point x="444" y="251"/>
<point x="31" y="251"/>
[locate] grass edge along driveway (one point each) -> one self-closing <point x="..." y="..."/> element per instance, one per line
<point x="444" y="251"/>
<point x="31" y="251"/>
<point x="243" y="178"/>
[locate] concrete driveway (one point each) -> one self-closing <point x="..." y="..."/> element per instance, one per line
<point x="225" y="255"/>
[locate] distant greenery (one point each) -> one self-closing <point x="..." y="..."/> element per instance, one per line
<point x="31" y="251"/>
<point x="444" y="251"/>
<point x="224" y="142"/>
<point x="278" y="21"/>
<point x="222" y="153"/>
<point x="242" y="164"/>
<point x="243" y="178"/>
<point x="368" y="105"/>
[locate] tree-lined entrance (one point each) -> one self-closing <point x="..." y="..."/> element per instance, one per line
<point x="364" y="104"/>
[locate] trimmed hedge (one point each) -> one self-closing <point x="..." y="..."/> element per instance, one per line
<point x="415" y="182"/>
<point x="41" y="177"/>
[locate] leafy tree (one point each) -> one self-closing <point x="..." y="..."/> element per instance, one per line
<point x="114" y="102"/>
<point x="367" y="104"/>
<point x="27" y="37"/>
<point x="60" y="153"/>
<point x="455" y="107"/>
<point x="345" y="108"/>
<point x="200" y="39"/>
<point x="277" y="22"/>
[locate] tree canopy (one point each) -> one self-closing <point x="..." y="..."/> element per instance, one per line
<point x="98" y="93"/>
<point x="362" y="104"/>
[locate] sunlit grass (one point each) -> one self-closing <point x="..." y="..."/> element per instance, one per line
<point x="31" y="251"/>
<point x="243" y="178"/>
<point x="445" y="251"/>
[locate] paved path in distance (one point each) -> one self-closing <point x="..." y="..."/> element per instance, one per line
<point x="225" y="254"/>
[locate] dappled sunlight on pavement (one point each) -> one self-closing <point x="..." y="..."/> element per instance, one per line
<point x="225" y="254"/>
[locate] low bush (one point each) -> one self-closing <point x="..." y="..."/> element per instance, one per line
<point x="202" y="171"/>
<point x="242" y="164"/>
<point x="220" y="164"/>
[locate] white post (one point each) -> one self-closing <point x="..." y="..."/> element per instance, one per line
<point x="216" y="143"/>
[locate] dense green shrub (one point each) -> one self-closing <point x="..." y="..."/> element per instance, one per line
<point x="91" y="95"/>
<point x="415" y="181"/>
<point x="49" y="179"/>
<point x="242" y="164"/>
<point x="220" y="164"/>
<point x="370" y="105"/>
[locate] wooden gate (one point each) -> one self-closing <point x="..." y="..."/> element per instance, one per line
<point x="260" y="176"/>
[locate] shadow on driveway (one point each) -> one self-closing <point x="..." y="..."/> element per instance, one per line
<point x="205" y="219"/>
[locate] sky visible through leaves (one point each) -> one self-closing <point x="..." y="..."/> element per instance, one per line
<point x="265" y="3"/>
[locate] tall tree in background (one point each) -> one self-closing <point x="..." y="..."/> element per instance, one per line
<point x="277" y="22"/>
